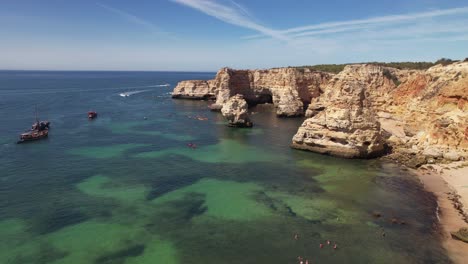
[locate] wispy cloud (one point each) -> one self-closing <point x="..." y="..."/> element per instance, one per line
<point x="234" y="14"/>
<point x="132" y="18"/>
<point x="351" y="25"/>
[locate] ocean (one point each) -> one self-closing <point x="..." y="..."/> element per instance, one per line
<point x="126" y="188"/>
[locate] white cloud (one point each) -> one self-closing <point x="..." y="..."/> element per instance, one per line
<point x="351" y="25"/>
<point x="133" y="19"/>
<point x="234" y="14"/>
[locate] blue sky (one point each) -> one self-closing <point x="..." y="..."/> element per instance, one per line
<point x="204" y="35"/>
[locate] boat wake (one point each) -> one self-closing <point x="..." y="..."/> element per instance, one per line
<point x="130" y="93"/>
<point x="160" y="85"/>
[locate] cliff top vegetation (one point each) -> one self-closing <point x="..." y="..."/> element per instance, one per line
<point x="422" y="65"/>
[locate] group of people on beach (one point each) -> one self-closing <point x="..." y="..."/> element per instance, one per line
<point x="321" y="245"/>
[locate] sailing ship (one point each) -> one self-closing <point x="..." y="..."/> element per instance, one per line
<point x="39" y="130"/>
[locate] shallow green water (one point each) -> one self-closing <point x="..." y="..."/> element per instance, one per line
<point x="125" y="188"/>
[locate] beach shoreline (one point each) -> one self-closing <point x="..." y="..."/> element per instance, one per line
<point x="448" y="182"/>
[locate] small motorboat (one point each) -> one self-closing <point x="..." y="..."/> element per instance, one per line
<point x="92" y="114"/>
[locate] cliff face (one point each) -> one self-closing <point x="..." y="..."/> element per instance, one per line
<point x="343" y="123"/>
<point x="421" y="114"/>
<point x="197" y="90"/>
<point x="288" y="89"/>
<point x="433" y="110"/>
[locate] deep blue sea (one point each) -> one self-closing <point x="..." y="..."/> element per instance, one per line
<point x="126" y="188"/>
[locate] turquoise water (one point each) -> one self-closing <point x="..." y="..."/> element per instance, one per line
<point x="125" y="188"/>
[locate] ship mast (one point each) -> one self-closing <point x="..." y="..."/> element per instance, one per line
<point x="37" y="120"/>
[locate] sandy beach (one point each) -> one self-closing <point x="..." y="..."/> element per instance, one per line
<point x="449" y="182"/>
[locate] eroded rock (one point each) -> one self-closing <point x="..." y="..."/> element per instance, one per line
<point x="235" y="110"/>
<point x="347" y="127"/>
<point x="195" y="89"/>
<point x="289" y="89"/>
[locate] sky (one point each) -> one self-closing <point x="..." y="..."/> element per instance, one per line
<point x="205" y="35"/>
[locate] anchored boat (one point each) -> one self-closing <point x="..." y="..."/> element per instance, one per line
<point x="92" y="114"/>
<point x="39" y="130"/>
<point x="33" y="135"/>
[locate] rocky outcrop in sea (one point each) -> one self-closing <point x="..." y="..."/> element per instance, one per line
<point x="288" y="89"/>
<point x="196" y="89"/>
<point x="342" y="121"/>
<point x="236" y="111"/>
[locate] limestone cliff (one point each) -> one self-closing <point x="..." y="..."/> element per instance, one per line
<point x="418" y="116"/>
<point x="422" y="114"/>
<point x="343" y="123"/>
<point x="432" y="108"/>
<point x="197" y="90"/>
<point x="289" y="89"/>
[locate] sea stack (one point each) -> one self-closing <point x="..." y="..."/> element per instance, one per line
<point x="343" y="122"/>
<point x="235" y="110"/>
<point x="288" y="89"/>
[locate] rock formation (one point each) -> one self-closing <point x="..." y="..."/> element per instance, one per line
<point x="235" y="110"/>
<point x="431" y="111"/>
<point x="422" y="115"/>
<point x="197" y="90"/>
<point x="343" y="123"/>
<point x="289" y="89"/>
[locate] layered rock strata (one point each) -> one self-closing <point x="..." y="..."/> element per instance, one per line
<point x="343" y="123"/>
<point x="422" y="115"/>
<point x="235" y="110"/>
<point x="197" y="90"/>
<point x="288" y="89"/>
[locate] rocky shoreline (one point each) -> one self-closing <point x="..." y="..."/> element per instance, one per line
<point x="416" y="118"/>
<point x="413" y="117"/>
